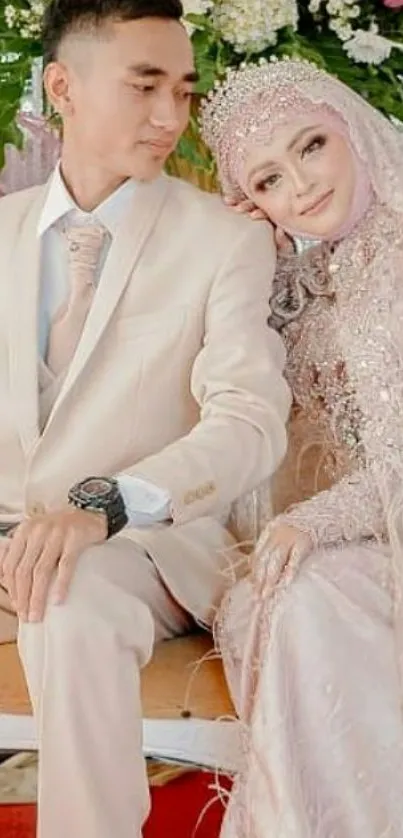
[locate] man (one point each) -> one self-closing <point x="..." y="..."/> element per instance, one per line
<point x="133" y="347"/>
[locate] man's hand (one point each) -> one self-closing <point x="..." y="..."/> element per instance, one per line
<point x="44" y="549"/>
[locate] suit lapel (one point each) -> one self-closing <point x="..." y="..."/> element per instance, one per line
<point x="125" y="251"/>
<point x="23" y="324"/>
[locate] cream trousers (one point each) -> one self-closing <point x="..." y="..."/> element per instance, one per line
<point x="83" y="670"/>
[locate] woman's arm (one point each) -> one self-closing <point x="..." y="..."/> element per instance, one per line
<point x="348" y="511"/>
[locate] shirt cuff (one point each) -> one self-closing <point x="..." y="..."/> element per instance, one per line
<point x="145" y="503"/>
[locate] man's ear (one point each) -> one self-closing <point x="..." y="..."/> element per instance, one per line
<point x="57" y="85"/>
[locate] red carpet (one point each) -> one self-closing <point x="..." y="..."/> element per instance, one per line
<point x="176" y="809"/>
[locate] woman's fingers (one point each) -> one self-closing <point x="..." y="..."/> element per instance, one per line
<point x="246" y="207"/>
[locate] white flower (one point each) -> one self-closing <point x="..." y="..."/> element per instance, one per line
<point x="343" y="15"/>
<point x="195" y="7"/>
<point x="368" y="47"/>
<point x="252" y="25"/>
<point x="38" y="8"/>
<point x="27" y="21"/>
<point x="355" y="11"/>
<point x="344" y="31"/>
<point x="10" y="16"/>
<point x="26" y="32"/>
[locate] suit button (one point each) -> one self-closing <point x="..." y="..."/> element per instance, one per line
<point x="35" y="509"/>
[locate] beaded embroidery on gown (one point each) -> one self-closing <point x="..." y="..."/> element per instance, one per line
<point x="314" y="654"/>
<point x="312" y="665"/>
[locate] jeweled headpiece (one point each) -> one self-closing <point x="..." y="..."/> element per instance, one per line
<point x="241" y="86"/>
<point x="250" y="97"/>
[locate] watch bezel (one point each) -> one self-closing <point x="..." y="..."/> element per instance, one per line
<point x="111" y="503"/>
<point x="82" y="489"/>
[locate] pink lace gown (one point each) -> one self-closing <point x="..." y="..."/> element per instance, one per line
<point x="312" y="661"/>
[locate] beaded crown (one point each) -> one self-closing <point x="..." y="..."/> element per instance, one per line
<point x="237" y="92"/>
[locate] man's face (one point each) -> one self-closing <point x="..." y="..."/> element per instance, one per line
<point x="129" y="92"/>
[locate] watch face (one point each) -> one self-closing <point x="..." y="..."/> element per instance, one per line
<point x="96" y="487"/>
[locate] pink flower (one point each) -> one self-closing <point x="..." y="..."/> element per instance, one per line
<point x="393" y="4"/>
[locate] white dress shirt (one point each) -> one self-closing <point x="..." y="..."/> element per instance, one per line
<point x="145" y="504"/>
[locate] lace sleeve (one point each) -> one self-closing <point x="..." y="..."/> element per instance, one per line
<point x="348" y="511"/>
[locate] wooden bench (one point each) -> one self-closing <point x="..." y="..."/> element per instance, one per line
<point x="178" y="683"/>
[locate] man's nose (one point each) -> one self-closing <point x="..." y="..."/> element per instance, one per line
<point x="165" y="113"/>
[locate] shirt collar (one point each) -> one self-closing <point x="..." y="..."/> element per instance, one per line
<point x="59" y="203"/>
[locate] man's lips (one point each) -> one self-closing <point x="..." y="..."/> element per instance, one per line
<point x="159" y="145"/>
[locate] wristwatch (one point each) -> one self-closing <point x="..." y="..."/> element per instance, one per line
<point x="101" y="494"/>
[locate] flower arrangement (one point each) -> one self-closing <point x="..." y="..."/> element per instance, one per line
<point x="360" y="42"/>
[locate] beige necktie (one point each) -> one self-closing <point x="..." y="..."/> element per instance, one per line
<point x="84" y="248"/>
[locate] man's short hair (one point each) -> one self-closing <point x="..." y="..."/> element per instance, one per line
<point x="63" y="17"/>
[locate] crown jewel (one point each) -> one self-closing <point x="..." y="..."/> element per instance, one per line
<point x="229" y="97"/>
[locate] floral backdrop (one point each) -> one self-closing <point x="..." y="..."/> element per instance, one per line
<point x="360" y="42"/>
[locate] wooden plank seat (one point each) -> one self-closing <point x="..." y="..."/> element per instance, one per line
<point x="178" y="683"/>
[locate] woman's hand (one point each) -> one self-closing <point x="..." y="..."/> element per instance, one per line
<point x="281" y="546"/>
<point x="247" y="207"/>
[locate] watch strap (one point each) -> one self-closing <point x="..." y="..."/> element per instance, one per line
<point x="113" y="505"/>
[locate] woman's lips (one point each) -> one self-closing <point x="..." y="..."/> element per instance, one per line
<point x="319" y="205"/>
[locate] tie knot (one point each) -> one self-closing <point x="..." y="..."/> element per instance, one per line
<point x="85" y="244"/>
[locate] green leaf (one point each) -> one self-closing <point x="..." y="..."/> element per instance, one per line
<point x="200" y="21"/>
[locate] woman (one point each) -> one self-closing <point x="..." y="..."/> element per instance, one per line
<point x="313" y="640"/>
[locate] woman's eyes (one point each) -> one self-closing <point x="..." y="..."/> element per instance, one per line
<point x="314" y="144"/>
<point x="272" y="180"/>
<point x="268" y="182"/>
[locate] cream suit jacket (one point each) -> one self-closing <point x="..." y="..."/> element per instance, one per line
<point x="177" y="377"/>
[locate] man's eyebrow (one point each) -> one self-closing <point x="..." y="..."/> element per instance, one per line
<point x="152" y="71"/>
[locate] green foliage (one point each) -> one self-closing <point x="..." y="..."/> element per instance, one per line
<point x="16" y="57"/>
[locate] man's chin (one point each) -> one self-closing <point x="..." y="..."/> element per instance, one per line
<point x="149" y="171"/>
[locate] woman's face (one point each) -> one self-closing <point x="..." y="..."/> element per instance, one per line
<point x="303" y="178"/>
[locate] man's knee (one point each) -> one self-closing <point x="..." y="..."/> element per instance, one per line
<point x="97" y="611"/>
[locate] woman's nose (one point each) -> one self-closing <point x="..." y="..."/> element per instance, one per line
<point x="302" y="181"/>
